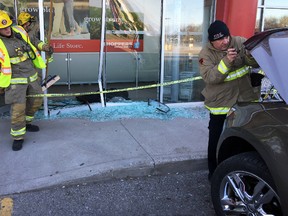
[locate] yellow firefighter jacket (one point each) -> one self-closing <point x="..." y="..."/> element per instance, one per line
<point x="226" y="83"/>
<point x="5" y="60"/>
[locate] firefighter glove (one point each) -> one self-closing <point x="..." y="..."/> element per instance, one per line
<point x="2" y="90"/>
<point x="48" y="49"/>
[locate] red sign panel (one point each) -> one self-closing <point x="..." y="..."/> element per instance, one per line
<point x="94" y="45"/>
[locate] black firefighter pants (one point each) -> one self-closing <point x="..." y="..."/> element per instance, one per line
<point x="215" y="128"/>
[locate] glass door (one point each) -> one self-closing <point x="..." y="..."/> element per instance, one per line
<point x="186" y="23"/>
<point x="132" y="51"/>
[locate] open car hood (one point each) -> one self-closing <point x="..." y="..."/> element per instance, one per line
<point x="270" y="49"/>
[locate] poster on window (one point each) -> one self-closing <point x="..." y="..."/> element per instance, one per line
<point x="76" y="25"/>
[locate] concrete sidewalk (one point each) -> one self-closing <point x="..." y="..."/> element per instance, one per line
<point x="72" y="150"/>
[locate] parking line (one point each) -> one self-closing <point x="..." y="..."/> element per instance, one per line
<point x="6" y="206"/>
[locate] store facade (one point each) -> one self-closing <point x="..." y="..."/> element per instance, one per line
<point x="135" y="43"/>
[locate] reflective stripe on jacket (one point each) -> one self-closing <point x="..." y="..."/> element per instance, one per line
<point x="16" y="60"/>
<point x="219" y="110"/>
<point x="226" y="83"/>
<point x="24" y="80"/>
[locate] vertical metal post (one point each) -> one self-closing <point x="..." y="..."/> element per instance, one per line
<point x="68" y="59"/>
<point x="176" y="50"/>
<point x="137" y="58"/>
<point x="16" y="9"/>
<point x="102" y="43"/>
<point x="42" y="35"/>
<point x="162" y="54"/>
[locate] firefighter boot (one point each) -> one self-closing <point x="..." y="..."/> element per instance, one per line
<point x="32" y="128"/>
<point x="17" y="145"/>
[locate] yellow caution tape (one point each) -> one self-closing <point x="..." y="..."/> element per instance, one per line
<point x="118" y="90"/>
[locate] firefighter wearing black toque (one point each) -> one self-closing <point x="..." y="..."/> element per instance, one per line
<point x="18" y="78"/>
<point x="225" y="68"/>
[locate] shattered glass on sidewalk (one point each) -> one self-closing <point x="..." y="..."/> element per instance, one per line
<point x="116" y="111"/>
<point x="123" y="110"/>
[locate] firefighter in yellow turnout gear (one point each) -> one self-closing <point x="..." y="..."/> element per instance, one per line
<point x="19" y="59"/>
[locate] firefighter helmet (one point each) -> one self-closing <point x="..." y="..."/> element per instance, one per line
<point x="25" y="17"/>
<point x="5" y="20"/>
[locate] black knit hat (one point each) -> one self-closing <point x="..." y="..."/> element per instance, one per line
<point x="218" y="30"/>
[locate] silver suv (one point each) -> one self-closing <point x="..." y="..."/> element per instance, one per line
<point x="252" y="173"/>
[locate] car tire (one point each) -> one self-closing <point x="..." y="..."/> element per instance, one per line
<point x="241" y="176"/>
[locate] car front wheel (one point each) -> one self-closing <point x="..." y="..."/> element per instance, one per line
<point x="242" y="185"/>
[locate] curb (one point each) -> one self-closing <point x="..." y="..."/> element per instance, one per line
<point x="139" y="170"/>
